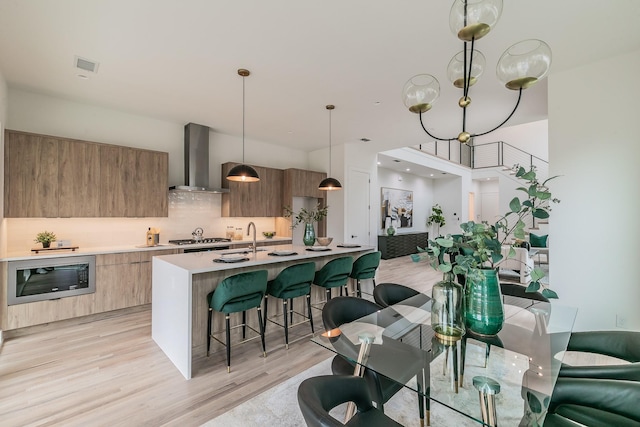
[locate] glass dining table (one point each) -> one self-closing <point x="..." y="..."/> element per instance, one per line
<point x="505" y="379"/>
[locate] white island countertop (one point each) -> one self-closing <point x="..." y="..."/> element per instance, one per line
<point x="203" y="262"/>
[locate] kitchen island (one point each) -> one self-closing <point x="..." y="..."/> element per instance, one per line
<point x="181" y="283"/>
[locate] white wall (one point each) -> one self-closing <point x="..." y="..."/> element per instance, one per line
<point x="529" y="137"/>
<point x="31" y="112"/>
<point x="595" y="145"/>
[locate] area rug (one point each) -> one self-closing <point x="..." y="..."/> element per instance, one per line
<point x="278" y="406"/>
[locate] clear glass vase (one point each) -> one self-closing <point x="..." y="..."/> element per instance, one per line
<point x="309" y="237"/>
<point x="447" y="309"/>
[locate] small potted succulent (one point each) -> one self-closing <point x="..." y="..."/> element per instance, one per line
<point x="45" y="237"/>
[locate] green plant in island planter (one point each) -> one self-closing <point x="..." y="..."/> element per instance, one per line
<point x="45" y="237"/>
<point x="474" y="254"/>
<point x="307" y="217"/>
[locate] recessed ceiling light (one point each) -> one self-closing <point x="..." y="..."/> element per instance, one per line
<point x="83" y="77"/>
<point x="377" y="103"/>
<point x="488" y="179"/>
<point x="365" y="139"/>
<point x="396" y="160"/>
<point x="408" y="169"/>
<point x="379" y="163"/>
<point x="431" y="175"/>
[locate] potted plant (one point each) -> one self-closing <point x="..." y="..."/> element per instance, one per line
<point x="474" y="253"/>
<point x="45" y="238"/>
<point x="436" y="218"/>
<point x="307" y="217"/>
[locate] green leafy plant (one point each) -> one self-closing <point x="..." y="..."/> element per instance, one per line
<point x="306" y="216"/>
<point x="436" y="216"/>
<point x="45" y="237"/>
<point x="480" y="244"/>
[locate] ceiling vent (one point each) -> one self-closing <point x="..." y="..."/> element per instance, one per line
<point x="85" y="64"/>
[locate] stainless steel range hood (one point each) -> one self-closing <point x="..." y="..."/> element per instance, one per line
<point x="196" y="161"/>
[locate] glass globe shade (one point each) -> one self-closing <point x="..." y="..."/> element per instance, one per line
<point x="456" y="71"/>
<point x="420" y="93"/>
<point x="481" y="16"/>
<point x="524" y="63"/>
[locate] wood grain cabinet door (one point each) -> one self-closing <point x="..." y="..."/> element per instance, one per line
<point x="151" y="184"/>
<point x="117" y="181"/>
<point x="78" y="179"/>
<point x="30" y="176"/>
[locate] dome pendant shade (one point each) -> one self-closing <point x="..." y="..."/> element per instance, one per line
<point x="243" y="173"/>
<point x="330" y="184"/>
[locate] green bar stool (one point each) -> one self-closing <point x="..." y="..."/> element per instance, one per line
<point x="365" y="268"/>
<point x="292" y="282"/>
<point x="238" y="293"/>
<point x="334" y="274"/>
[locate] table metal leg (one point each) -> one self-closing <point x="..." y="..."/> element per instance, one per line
<point x="487" y="390"/>
<point x="365" y="346"/>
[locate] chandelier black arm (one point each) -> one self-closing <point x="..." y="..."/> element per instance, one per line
<point x="505" y="120"/>
<point x="434" y="137"/>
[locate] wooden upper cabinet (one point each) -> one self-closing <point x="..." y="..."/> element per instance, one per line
<point x="30" y="175"/>
<point x="78" y="179"/>
<point x="303" y="183"/>
<point x="151" y="183"/>
<point x="58" y="177"/>
<point x="253" y="199"/>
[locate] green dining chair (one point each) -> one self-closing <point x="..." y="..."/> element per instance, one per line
<point x="334" y="274"/>
<point x="365" y="268"/>
<point x="292" y="282"/>
<point x="237" y="293"/>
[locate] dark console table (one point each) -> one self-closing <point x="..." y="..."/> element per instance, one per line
<point x="401" y="244"/>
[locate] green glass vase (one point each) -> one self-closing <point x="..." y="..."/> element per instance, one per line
<point x="309" y="237"/>
<point x="484" y="311"/>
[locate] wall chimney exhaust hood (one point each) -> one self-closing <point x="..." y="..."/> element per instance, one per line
<point x="196" y="161"/>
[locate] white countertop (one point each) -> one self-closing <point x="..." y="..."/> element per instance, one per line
<point x="25" y="255"/>
<point x="202" y="262"/>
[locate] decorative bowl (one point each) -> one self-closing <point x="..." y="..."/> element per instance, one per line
<point x="324" y="241"/>
<point x="269" y="234"/>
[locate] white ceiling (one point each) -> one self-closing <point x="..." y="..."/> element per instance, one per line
<point x="178" y="60"/>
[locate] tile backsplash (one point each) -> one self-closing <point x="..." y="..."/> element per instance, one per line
<point x="187" y="211"/>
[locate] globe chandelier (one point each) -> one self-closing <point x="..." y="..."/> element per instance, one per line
<point x="521" y="66"/>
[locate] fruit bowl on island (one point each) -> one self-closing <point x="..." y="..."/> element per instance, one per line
<point x="269" y="234"/>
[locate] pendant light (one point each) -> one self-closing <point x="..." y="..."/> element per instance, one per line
<point x="242" y="172"/>
<point x="329" y="184"/>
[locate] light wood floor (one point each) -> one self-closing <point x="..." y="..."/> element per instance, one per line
<point x="108" y="371"/>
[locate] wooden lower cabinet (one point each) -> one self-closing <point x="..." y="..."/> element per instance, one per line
<point x="122" y="280"/>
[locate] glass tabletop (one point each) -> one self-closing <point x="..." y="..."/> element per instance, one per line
<point x="521" y="359"/>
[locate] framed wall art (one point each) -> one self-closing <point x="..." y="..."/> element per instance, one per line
<point x="398" y="205"/>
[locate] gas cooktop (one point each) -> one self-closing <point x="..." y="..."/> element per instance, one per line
<point x="203" y="240"/>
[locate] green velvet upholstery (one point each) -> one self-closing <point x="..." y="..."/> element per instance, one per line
<point x="317" y="396"/>
<point x="292" y="282"/>
<point x="239" y="292"/>
<point x="365" y="268"/>
<point x="234" y="294"/>
<point x="334" y="274"/>
<point x="538" y="241"/>
<point x="594" y="402"/>
<point x="623" y="345"/>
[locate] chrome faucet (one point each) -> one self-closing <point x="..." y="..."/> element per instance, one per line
<point x="253" y="247"/>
